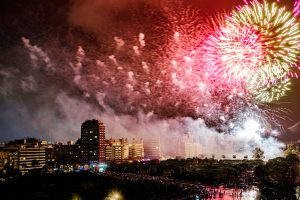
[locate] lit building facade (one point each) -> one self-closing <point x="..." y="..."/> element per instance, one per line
<point x="92" y="142"/>
<point x="136" y="150"/>
<point x="109" y="153"/>
<point x="152" y="148"/>
<point x="63" y="156"/>
<point x="26" y="154"/>
<point x="32" y="155"/>
<point x="117" y="151"/>
<point x="4" y="159"/>
<point x="13" y="149"/>
<point x="192" y="147"/>
<point x="50" y="158"/>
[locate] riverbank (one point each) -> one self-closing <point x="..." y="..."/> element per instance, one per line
<point x="91" y="186"/>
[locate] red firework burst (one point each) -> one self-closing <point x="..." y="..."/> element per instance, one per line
<point x="232" y="54"/>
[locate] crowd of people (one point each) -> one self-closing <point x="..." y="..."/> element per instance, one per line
<point x="192" y="190"/>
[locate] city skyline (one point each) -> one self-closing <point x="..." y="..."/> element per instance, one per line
<point x="187" y="146"/>
<point x="150" y="99"/>
<point x="142" y="76"/>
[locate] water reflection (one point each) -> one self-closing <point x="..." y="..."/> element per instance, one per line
<point x="237" y="194"/>
<point x="266" y="193"/>
<point x="222" y="193"/>
<point x="233" y="194"/>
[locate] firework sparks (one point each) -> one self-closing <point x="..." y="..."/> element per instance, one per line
<point x="272" y="92"/>
<point x="257" y="47"/>
<point x="278" y="29"/>
<point x="217" y="69"/>
<point x="296" y="9"/>
<point x="279" y="35"/>
<point x="233" y="54"/>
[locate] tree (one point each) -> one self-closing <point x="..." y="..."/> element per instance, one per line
<point x="258" y="154"/>
<point x="234" y="156"/>
<point x="292" y="149"/>
<point x="293" y="162"/>
<point x="4" y="158"/>
<point x="278" y="171"/>
<point x="223" y="156"/>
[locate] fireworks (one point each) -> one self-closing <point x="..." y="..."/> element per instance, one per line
<point x="277" y="27"/>
<point x="233" y="54"/>
<point x="258" y="46"/>
<point x="272" y="92"/>
<point x="279" y="35"/>
<point x="223" y="70"/>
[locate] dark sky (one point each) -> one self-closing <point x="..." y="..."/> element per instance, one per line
<point x="64" y="25"/>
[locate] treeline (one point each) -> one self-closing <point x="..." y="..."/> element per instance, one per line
<point x="234" y="173"/>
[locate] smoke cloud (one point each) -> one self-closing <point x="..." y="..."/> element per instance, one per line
<point x="120" y="63"/>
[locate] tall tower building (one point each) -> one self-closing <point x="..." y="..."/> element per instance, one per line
<point x="93" y="142"/>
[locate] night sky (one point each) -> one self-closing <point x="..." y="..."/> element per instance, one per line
<point x="50" y="99"/>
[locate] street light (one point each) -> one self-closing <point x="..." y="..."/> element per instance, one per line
<point x="114" y="195"/>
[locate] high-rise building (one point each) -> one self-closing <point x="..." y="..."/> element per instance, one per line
<point x="192" y="147"/>
<point x="32" y="155"/>
<point x="65" y="153"/>
<point x="109" y="152"/>
<point x="136" y="149"/>
<point x="152" y="148"/>
<point x="92" y="142"/>
<point x="26" y="154"/>
<point x="4" y="159"/>
<point x="13" y="148"/>
<point x="50" y="158"/>
<point x="117" y="151"/>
